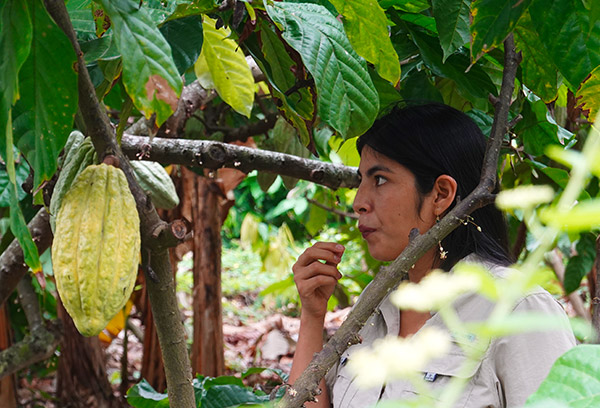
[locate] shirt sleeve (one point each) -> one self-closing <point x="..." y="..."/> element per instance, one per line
<point x="523" y="360"/>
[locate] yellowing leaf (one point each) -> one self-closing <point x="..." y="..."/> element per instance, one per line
<point x="588" y="94"/>
<point x="222" y="66"/>
<point x="114" y="327"/>
<point x="366" y="25"/>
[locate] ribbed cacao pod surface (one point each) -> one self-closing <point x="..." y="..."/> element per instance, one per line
<point x="96" y="247"/>
<point x="154" y="180"/>
<point x="79" y="153"/>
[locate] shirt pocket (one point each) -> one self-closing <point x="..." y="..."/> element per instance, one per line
<point x="440" y="372"/>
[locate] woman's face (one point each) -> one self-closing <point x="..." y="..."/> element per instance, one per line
<point x="387" y="202"/>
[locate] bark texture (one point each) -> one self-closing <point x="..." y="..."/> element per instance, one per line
<point x="81" y="378"/>
<point x="214" y="155"/>
<point x="208" y="353"/>
<point x="8" y="393"/>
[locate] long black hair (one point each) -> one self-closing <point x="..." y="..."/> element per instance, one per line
<point x="435" y="139"/>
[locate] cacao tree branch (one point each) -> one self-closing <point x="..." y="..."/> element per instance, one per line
<point x="306" y="387"/>
<point x="214" y="155"/>
<point x="37" y="346"/>
<point x="163" y="300"/>
<point x="30" y="304"/>
<point x="12" y="264"/>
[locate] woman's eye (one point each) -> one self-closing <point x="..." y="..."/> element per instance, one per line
<point x="379" y="180"/>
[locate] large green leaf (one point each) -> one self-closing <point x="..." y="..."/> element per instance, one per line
<point x="149" y="73"/>
<point x="564" y="29"/>
<point x="476" y="82"/>
<point x="574" y="380"/>
<point x="224" y="392"/>
<point x="142" y="395"/>
<point x="539" y="72"/>
<point x="347" y="99"/>
<point x="297" y="106"/>
<point x="184" y="35"/>
<point x="15" y="45"/>
<point x="48" y="85"/>
<point x="367" y="29"/>
<point x="493" y="20"/>
<point x="410" y="6"/>
<point x="222" y="66"/>
<point x="588" y="94"/>
<point x="452" y="20"/>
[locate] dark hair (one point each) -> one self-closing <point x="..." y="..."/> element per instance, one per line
<point x="435" y="139"/>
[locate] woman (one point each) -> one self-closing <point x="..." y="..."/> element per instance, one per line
<point x="415" y="164"/>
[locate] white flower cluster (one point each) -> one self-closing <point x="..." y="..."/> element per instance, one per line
<point x="395" y="357"/>
<point x="436" y="290"/>
<point x="524" y="197"/>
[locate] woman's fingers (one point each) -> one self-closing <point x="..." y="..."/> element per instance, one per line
<point x="329" y="252"/>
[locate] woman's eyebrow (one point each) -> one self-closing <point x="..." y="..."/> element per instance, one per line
<point x="377" y="168"/>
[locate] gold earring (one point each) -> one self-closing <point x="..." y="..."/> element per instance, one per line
<point x="443" y="254"/>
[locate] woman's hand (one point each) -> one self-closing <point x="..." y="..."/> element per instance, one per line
<point x="316" y="274"/>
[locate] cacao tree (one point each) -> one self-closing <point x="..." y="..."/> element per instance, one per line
<point x="178" y="82"/>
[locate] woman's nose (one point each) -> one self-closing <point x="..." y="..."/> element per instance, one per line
<point x="361" y="203"/>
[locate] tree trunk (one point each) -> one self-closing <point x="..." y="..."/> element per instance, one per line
<point x="153" y="369"/>
<point x="81" y="377"/>
<point x="8" y="396"/>
<point x="207" y="354"/>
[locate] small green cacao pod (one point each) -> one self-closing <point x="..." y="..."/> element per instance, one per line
<point x="81" y="154"/>
<point x="96" y="247"/>
<point x="73" y="141"/>
<point x="154" y="180"/>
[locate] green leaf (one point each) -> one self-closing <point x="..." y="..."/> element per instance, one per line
<point x="222" y="66"/>
<point x="588" y="94"/>
<point x="184" y="36"/>
<point x="142" y="395"/>
<point x="347" y="99"/>
<point x="493" y="20"/>
<point x="452" y="20"/>
<point x="410" y="6"/>
<point x="149" y="73"/>
<point x="298" y="106"/>
<point x="15" y="43"/>
<point x="574" y="380"/>
<point x="476" y="82"/>
<point x="367" y="28"/>
<point x="539" y="72"/>
<point x="564" y="29"/>
<point x="21" y="173"/>
<point x="220" y="394"/>
<point x="191" y="9"/>
<point x="538" y="129"/>
<point x="581" y="264"/>
<point x="418" y="86"/>
<point x="48" y="85"/>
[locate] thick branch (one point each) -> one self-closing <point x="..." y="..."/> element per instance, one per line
<point x="306" y="386"/>
<point x="162" y="293"/>
<point x="213" y="155"/>
<point x="39" y="345"/>
<point x="12" y="264"/>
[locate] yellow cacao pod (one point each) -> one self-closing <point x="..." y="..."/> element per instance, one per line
<point x="96" y="247"/>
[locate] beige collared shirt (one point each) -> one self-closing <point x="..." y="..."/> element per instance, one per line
<point x="511" y="369"/>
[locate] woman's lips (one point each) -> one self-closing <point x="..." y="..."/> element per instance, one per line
<point x="365" y="231"/>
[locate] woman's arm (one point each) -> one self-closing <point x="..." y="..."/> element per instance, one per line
<point x="315" y="275"/>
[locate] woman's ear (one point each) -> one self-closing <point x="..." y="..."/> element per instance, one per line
<point x="444" y="191"/>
